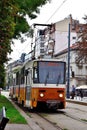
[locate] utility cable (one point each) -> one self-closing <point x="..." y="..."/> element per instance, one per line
<point x="48" y="19"/>
<point x="56" y="11"/>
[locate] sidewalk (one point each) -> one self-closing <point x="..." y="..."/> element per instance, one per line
<point x="31" y="124"/>
<point x="78" y="100"/>
<point x="17" y="127"/>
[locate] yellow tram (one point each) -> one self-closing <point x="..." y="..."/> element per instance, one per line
<point x="41" y="82"/>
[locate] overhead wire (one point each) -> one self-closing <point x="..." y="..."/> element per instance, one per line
<point x="53" y="14"/>
<point x="47" y="20"/>
<point x="56" y="10"/>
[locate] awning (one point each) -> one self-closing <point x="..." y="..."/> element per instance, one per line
<point x="82" y="87"/>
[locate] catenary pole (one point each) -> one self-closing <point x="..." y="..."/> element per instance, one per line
<point x="68" y="73"/>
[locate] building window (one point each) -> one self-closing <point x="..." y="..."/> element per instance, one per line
<point x="73" y="38"/>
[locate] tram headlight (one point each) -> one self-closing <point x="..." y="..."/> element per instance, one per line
<point x="60" y="95"/>
<point x="41" y="95"/>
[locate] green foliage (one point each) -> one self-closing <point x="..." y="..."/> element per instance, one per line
<point x="2" y="76"/>
<point x="26" y="7"/>
<point x="21" y="26"/>
<point x="11" y="112"/>
<point x="7" y="26"/>
<point x="85" y="120"/>
<point x="82" y="44"/>
<point x="13" y="23"/>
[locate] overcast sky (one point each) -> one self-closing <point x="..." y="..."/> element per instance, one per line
<point x="52" y="12"/>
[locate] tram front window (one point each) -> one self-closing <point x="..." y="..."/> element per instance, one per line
<point x="50" y="73"/>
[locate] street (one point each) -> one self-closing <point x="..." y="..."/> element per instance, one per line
<point x="74" y="117"/>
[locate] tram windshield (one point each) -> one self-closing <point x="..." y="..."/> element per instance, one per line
<point x="49" y="72"/>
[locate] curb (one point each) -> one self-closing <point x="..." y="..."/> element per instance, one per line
<point x="76" y="102"/>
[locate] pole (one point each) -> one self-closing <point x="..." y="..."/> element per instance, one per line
<point x="68" y="75"/>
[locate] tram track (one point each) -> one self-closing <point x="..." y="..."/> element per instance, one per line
<point x="65" y="114"/>
<point x="79" y="121"/>
<point x="41" y="118"/>
<point x="75" y="118"/>
<point x="52" y="125"/>
<point x="37" y="117"/>
<point x="77" y="112"/>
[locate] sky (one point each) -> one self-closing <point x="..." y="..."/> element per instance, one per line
<point x="52" y="12"/>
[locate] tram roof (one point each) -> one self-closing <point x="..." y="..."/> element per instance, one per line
<point x="41" y="59"/>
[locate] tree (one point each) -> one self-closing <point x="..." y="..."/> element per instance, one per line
<point x="2" y="76"/>
<point x="82" y="43"/>
<point x="13" y="22"/>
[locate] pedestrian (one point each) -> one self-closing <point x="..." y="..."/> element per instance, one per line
<point x="73" y="92"/>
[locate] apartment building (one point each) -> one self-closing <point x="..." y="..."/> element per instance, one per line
<point x="53" y="42"/>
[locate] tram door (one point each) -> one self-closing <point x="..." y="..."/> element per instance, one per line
<point x="28" y="86"/>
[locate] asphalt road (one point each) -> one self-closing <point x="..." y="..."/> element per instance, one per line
<point x="74" y="117"/>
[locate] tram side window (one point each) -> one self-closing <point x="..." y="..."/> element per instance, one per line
<point x="22" y="76"/>
<point x="17" y="78"/>
<point x="35" y="75"/>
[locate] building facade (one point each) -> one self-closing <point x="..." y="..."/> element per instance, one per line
<point x="55" y="44"/>
<point x="53" y="41"/>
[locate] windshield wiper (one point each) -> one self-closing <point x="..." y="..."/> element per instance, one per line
<point x="47" y="76"/>
<point x="58" y="79"/>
